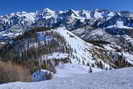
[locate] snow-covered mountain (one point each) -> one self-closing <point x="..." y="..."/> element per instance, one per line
<point x="69" y="18"/>
<point x="60" y="45"/>
<point x="114" y="22"/>
<point x="98" y="39"/>
<point x="57" y="45"/>
<point x="101" y="36"/>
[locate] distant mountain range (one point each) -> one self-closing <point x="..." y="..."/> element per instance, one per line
<point x="71" y="19"/>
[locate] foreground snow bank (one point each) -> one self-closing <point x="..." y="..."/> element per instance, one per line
<point x="69" y="70"/>
<point x="115" y="79"/>
<point x="63" y="71"/>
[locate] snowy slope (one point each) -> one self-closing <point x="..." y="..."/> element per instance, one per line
<point x="115" y="79"/>
<point x="119" y="24"/>
<point x="116" y="43"/>
<point x="64" y="71"/>
<point x="79" y="47"/>
<point x="81" y="50"/>
<point x="69" y="70"/>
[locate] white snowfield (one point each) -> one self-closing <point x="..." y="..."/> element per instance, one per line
<point x="115" y="79"/>
<point x="80" y="49"/>
<point x="64" y="71"/>
<point x="69" y="70"/>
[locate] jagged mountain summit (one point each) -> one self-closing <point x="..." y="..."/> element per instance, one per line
<point x="113" y="22"/>
<point x="69" y="18"/>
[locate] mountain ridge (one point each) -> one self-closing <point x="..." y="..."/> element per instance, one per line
<point x="109" y="33"/>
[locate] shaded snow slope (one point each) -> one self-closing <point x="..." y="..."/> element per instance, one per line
<point x="115" y="79"/>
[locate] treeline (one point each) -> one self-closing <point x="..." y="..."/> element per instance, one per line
<point x="26" y="52"/>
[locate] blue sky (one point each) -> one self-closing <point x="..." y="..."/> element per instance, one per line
<point x="8" y="6"/>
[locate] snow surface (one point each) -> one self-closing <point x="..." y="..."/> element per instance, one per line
<point x="55" y="55"/>
<point x="63" y="71"/>
<point x="86" y="14"/>
<point x="128" y="57"/>
<point x="47" y="13"/>
<point x="67" y="70"/>
<point x="98" y="15"/>
<point x="115" y="79"/>
<point x="80" y="47"/>
<point x="120" y="24"/>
